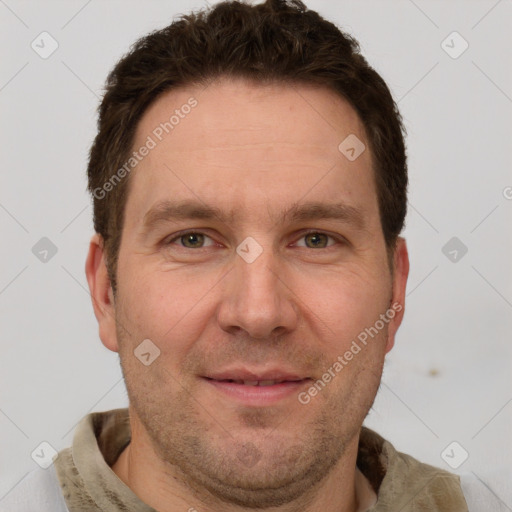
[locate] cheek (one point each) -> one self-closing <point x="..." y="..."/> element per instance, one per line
<point x="167" y="307"/>
<point x="344" y="302"/>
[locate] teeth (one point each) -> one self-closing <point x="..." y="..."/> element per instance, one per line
<point x="268" y="382"/>
<point x="261" y="382"/>
<point x="255" y="382"/>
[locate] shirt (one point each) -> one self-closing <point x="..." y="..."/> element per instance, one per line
<point x="81" y="478"/>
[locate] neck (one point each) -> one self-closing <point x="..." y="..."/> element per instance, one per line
<point x="166" y="488"/>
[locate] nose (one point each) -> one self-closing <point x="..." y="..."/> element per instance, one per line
<point x="258" y="298"/>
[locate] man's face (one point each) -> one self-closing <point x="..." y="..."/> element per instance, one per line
<point x="252" y="293"/>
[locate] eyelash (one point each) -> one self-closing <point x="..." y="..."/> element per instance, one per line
<point x="177" y="236"/>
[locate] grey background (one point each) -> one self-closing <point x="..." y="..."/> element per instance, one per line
<point x="448" y="377"/>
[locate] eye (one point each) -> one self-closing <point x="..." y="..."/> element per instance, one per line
<point x="197" y="239"/>
<point x="318" y="240"/>
<point x="190" y="240"/>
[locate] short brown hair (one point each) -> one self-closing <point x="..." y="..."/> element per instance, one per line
<point x="278" y="40"/>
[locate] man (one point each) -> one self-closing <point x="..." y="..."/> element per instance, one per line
<point x="249" y="184"/>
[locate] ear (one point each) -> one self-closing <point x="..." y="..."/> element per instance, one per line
<point x="101" y="293"/>
<point x="401" y="273"/>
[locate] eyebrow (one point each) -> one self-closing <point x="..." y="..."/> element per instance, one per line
<point x="166" y="211"/>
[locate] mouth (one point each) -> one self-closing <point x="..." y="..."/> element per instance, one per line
<point x="257" y="391"/>
<point x="267" y="382"/>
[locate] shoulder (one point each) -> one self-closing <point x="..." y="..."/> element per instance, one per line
<point x="406" y="483"/>
<point x="38" y="491"/>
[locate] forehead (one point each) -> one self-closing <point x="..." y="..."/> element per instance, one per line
<point x="233" y="110"/>
<point x="251" y="145"/>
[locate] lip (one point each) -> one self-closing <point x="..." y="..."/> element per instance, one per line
<point x="246" y="374"/>
<point x="256" y="395"/>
